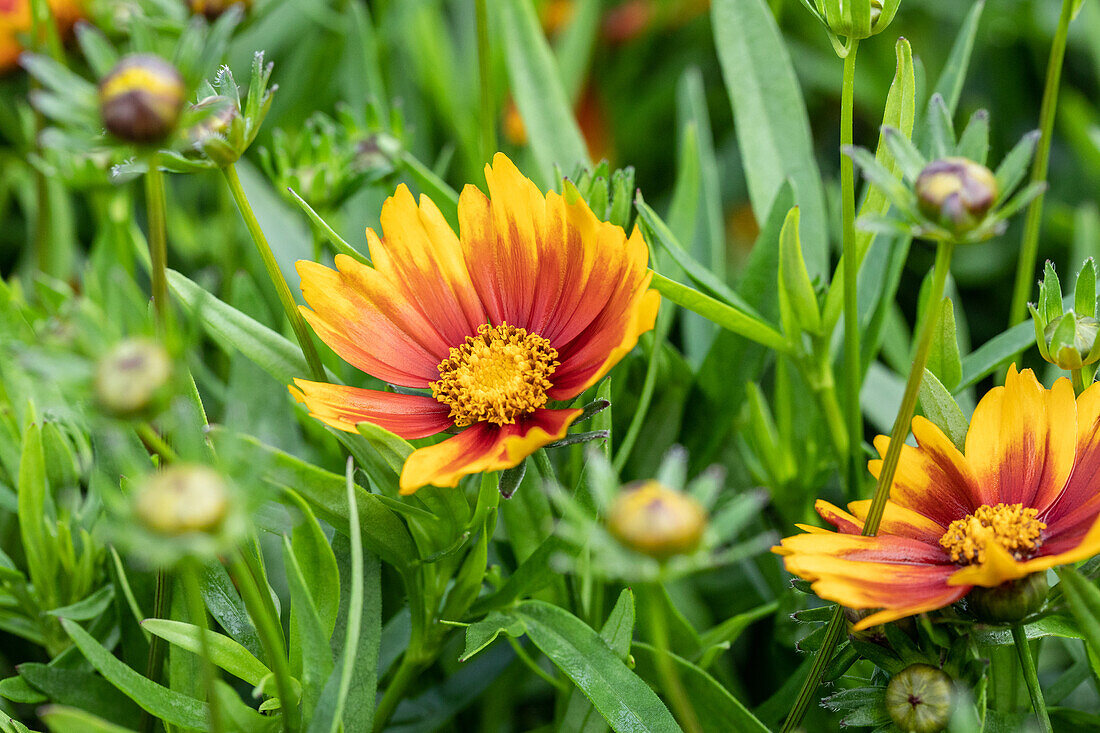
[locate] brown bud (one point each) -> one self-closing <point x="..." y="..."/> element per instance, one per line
<point x="141" y="98"/>
<point x="956" y="193"/>
<point x="657" y="521"/>
<point x="132" y="377"/>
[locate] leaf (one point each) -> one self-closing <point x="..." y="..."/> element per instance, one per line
<point x="91" y="607"/>
<point x="950" y="84"/>
<point x="359" y="706"/>
<point x="943" y="356"/>
<point x="481" y="634"/>
<point x="1084" y="603"/>
<point x="620" y="696"/>
<point x="797" y="299"/>
<point x="61" y="719"/>
<point x="540" y="96"/>
<point x="995" y="352"/>
<point x="534" y="574"/>
<point x="33" y="496"/>
<point x="716" y="708"/>
<point x="617" y="633"/>
<point x="942" y="409"/>
<point x="770" y="119"/>
<point x="224" y="652"/>
<point x="394" y="449"/>
<point x="309" y="639"/>
<point x="169" y="706"/>
<point x="81" y="689"/>
<point x="225" y="604"/>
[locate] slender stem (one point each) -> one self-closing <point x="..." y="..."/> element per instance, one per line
<point x="162" y="602"/>
<point x="197" y="610"/>
<point x="1078" y="381"/>
<point x="275" y="274"/>
<point x="820" y="377"/>
<point x="670" y="680"/>
<point x="1031" y="677"/>
<point x="852" y="373"/>
<point x="664" y="320"/>
<point x="156" y="206"/>
<point x="886" y="477"/>
<point x="485" y="70"/>
<point x="1033" y="222"/>
<point x="155" y="443"/>
<point x="406" y="672"/>
<point x="418" y="653"/>
<point x="270" y="631"/>
<point x="543" y="465"/>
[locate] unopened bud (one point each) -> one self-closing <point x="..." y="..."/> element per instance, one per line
<point x="1008" y="602"/>
<point x="213" y="8"/>
<point x="657" y="521"/>
<point x="141" y="98"/>
<point x="217" y="122"/>
<point x="132" y="378"/>
<point x="183" y="499"/>
<point x="876" y="11"/>
<point x="918" y="699"/>
<point x="956" y="193"/>
<point x="1071" y="341"/>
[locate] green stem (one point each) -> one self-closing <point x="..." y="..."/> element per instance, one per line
<point x="411" y="663"/>
<point x="156" y="206"/>
<point x="1078" y="381"/>
<point x="485" y="70"/>
<point x="275" y="274"/>
<point x="155" y="443"/>
<point x="852" y="373"/>
<point x="44" y="30"/>
<point x="154" y="667"/>
<point x="258" y="603"/>
<point x="1031" y="677"/>
<point x="664" y="320"/>
<point x="197" y="610"/>
<point x="1029" y="250"/>
<point x="820" y="377"/>
<point x="672" y="686"/>
<point x="889" y="467"/>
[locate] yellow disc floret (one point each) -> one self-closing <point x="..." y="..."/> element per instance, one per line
<point x="1013" y="527"/>
<point x="497" y="376"/>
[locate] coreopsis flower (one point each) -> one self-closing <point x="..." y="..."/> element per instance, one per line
<point x="531" y="305"/>
<point x="15" y="21"/>
<point x="1021" y="497"/>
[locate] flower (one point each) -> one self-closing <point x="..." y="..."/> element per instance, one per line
<point x="533" y="304"/>
<point x="141" y="98"/>
<point x="1020" y="498"/>
<point x="15" y="20"/>
<point x="656" y="520"/>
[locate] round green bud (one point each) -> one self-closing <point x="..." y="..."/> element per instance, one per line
<point x="183" y="499"/>
<point x="1008" y="602"/>
<point x="132" y="378"/>
<point x="956" y="193"/>
<point x="1076" y="351"/>
<point x="140" y="99"/>
<point x="918" y="699"/>
<point x="657" y="521"/>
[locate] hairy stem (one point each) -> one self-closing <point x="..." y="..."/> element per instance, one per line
<point x="1031" y="677"/>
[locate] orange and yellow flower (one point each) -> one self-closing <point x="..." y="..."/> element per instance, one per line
<point x="15" y="20"/>
<point x="1023" y="496"/>
<point x="532" y="304"/>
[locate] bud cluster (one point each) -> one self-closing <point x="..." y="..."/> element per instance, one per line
<point x="1067" y="338"/>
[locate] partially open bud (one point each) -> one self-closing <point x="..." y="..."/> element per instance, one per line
<point x="918" y="699"/>
<point x="956" y="193"/>
<point x="213" y="8"/>
<point x="140" y="99"/>
<point x="657" y="521"/>
<point x="183" y="499"/>
<point x="1071" y="341"/>
<point x="1009" y="602"/>
<point x="132" y="378"/>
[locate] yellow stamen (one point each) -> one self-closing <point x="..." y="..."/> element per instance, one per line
<point x="497" y="376"/>
<point x="1010" y="525"/>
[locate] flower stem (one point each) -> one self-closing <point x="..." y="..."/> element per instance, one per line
<point x="1078" y="381"/>
<point x="155" y="207"/>
<point x="155" y="443"/>
<point x="154" y="666"/>
<point x="276" y="275"/>
<point x="260" y="608"/>
<point x="886" y="477"/>
<point x="664" y="320"/>
<point x="485" y="69"/>
<point x="852" y="373"/>
<point x="197" y="610"/>
<point x="1029" y="250"/>
<point x="672" y="686"/>
<point x="1031" y="677"/>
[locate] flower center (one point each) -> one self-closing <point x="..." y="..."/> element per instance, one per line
<point x="1010" y="525"/>
<point x="496" y="376"/>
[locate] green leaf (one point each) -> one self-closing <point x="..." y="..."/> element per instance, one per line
<point x="33" y="496"/>
<point x="359" y="706"/>
<point x="617" y="633"/>
<point x="1014" y="166"/>
<point x="82" y="689"/>
<point x="534" y="574"/>
<point x="313" y="552"/>
<point x="725" y="316"/>
<point x="717" y="709"/>
<point x="940" y="407"/>
<point x="169" y="706"/>
<point x="394" y="449"/>
<point x="484" y="632"/>
<point x="540" y="96"/>
<point x="225" y="604"/>
<point x="224" y="652"/>
<point x="309" y="640"/>
<point x="91" y="607"/>
<point x="1084" y="603"/>
<point x="994" y="353"/>
<point x="974" y="140"/>
<point x="950" y="84"/>
<point x="61" y="719"/>
<point x="797" y="299"/>
<point x="722" y="636"/>
<point x="228" y="327"/>
<point x="1084" y="291"/>
<point x="943" y="357"/>
<point x="620" y="696"/>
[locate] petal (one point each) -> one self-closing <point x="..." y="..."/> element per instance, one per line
<point x="898" y="520"/>
<point x="934" y="479"/>
<point x="1022" y="440"/>
<point x="857" y="548"/>
<point x="421" y="253"/>
<point x="1069" y="548"/>
<point x="1079" y="502"/>
<point x="999" y="567"/>
<point x="483" y="447"/>
<point x="370" y="323"/>
<point x="410" y="416"/>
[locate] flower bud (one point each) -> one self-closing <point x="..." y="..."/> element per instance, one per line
<point x="141" y="98"/>
<point x="1008" y="602"/>
<point x="956" y="193"/>
<point x="918" y="699"/>
<point x="182" y="499"/>
<point x="1070" y="341"/>
<point x="132" y="378"/>
<point x="213" y="8"/>
<point x="656" y="521"/>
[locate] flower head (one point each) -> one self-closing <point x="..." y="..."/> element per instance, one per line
<point x="532" y="304"/>
<point x="1021" y="497"/>
<point x="141" y="98"/>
